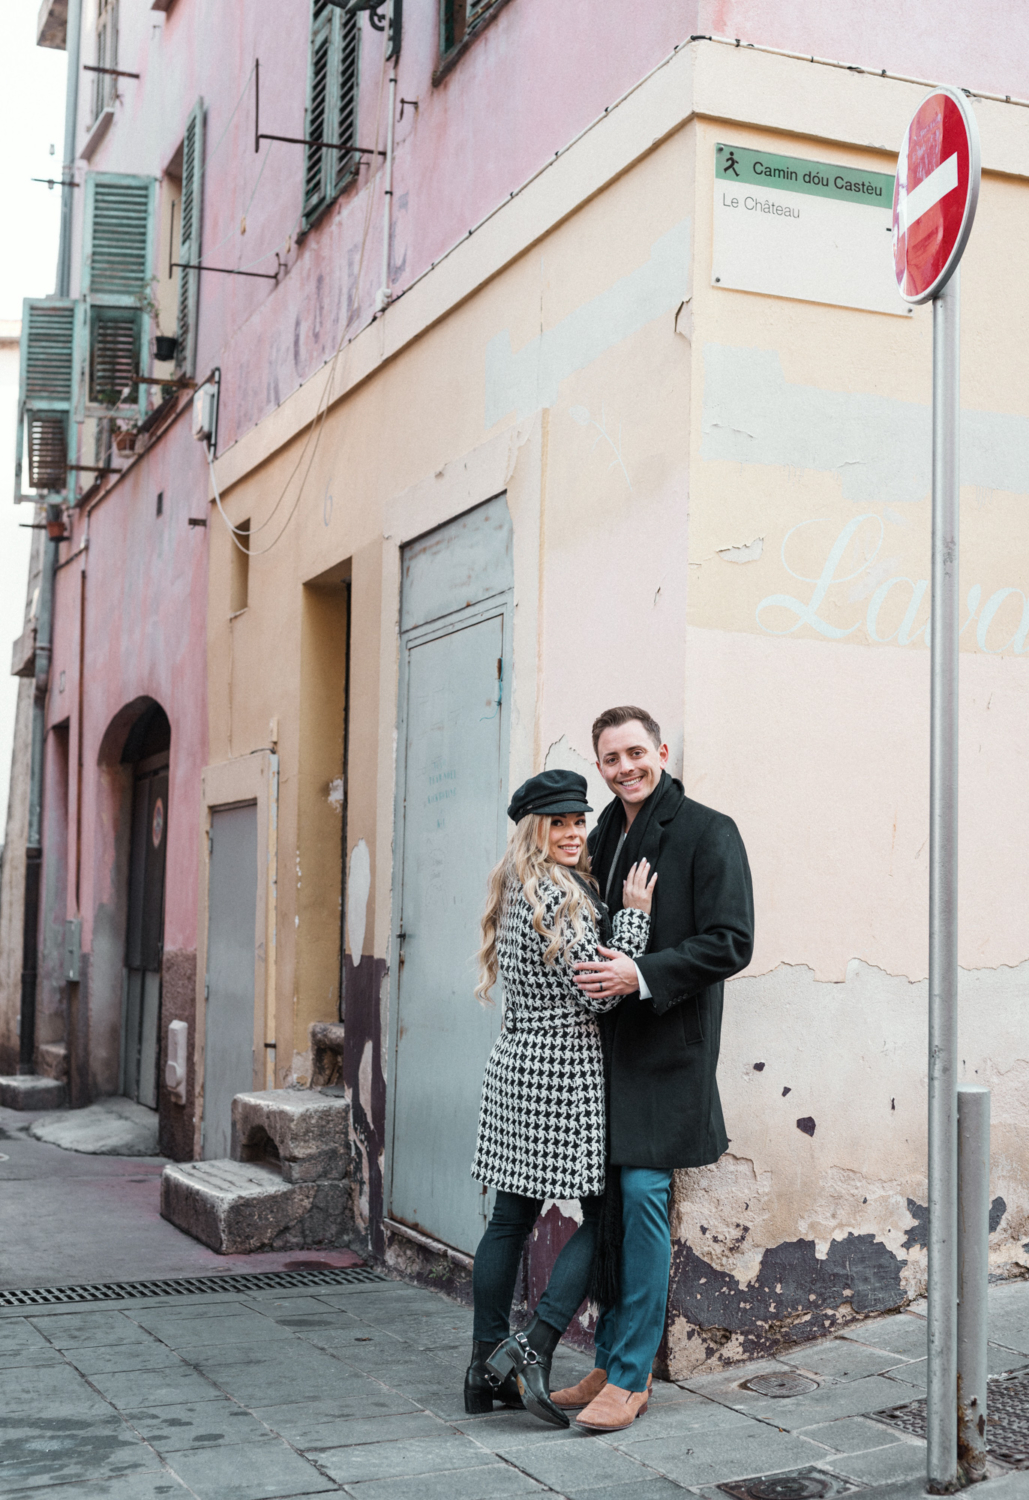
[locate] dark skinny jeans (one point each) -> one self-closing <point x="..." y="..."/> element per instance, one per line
<point x="496" y="1267"/>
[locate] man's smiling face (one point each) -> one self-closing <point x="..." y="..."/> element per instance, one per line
<point x="630" y="762"/>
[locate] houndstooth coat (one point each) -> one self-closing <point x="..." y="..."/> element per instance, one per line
<point x="542" y="1127"/>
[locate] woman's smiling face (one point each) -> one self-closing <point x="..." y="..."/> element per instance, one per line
<point x="567" y="837"/>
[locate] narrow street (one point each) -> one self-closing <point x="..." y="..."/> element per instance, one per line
<point x="352" y="1383"/>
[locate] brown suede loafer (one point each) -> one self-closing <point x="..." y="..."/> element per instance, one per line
<point x="613" y="1409"/>
<point x="575" y="1396"/>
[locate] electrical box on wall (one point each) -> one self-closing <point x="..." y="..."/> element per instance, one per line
<point x="72" y="949"/>
<point x="205" y="412"/>
<point x="175" y="1067"/>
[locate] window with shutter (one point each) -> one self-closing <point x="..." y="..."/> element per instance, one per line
<point x="105" y="85"/>
<point x="457" y="18"/>
<point x="331" y="105"/>
<point x="189" y="240"/>
<point x="119" y="227"/>
<point x="45" y="396"/>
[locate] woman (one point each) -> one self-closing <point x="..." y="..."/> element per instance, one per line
<point x="542" y="1127"/>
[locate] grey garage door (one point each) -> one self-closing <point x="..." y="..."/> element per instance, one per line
<point x="231" y="940"/>
<point x="451" y="831"/>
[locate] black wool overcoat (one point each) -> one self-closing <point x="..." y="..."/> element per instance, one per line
<point x="663" y="1052"/>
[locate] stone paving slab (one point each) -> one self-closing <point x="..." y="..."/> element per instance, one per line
<point x="39" y="1449"/>
<point x="162" y="1485"/>
<point x="467" y="1484"/>
<point x="712" y="1457"/>
<point x="881" y="1465"/>
<point x="852" y="1435"/>
<point x="842" y="1360"/>
<point x="195" y="1424"/>
<point x="253" y="1471"/>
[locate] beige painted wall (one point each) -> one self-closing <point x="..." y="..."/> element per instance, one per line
<point x="577" y="355"/>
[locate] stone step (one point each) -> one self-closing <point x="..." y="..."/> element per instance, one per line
<point x="304" y="1131"/>
<point x="237" y="1207"/>
<point x="26" y="1091"/>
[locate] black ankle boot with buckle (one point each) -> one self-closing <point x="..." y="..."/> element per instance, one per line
<point x="482" y="1387"/>
<point x="527" y="1356"/>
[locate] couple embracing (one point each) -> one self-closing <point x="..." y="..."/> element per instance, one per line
<point x="613" y="956"/>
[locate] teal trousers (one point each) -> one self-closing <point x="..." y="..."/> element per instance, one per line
<point x="629" y="1333"/>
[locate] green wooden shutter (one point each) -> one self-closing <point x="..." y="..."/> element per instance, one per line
<point x="331" y="104"/>
<point x="316" y="186"/>
<point x="343" y="165"/>
<point x="119" y="228"/>
<point x="189" y="239"/>
<point x="45" y="395"/>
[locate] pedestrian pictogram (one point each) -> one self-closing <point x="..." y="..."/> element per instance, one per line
<point x="935" y="195"/>
<point x="732" y="165"/>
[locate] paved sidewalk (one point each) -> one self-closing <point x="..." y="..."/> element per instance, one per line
<point x="68" y="1218"/>
<point x="356" y="1390"/>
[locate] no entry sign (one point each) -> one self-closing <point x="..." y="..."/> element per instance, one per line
<point x="935" y="194"/>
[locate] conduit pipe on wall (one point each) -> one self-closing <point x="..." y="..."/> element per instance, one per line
<point x="386" y="291"/>
<point x="34" y="840"/>
<point x="44" y="622"/>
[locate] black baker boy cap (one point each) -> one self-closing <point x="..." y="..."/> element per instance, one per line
<point x="550" y="792"/>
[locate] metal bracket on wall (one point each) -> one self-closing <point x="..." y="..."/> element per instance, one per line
<point x="292" y="140"/>
<point x="114" y="72"/>
<point x="229" y="271"/>
<point x="72" y="949"/>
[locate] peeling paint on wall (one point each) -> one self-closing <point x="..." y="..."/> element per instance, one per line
<point x="879" y="447"/>
<point x="366" y="1085"/>
<point x="531" y="378"/>
<point x="359" y="884"/>
<point x="563" y="756"/>
<point x="749" y="552"/>
<point x="797" y="1295"/>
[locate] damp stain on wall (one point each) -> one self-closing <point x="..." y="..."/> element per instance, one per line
<point x="795" y="1296"/>
<point x="363" y="1039"/>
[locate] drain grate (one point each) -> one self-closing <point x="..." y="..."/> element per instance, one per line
<point x="799" y="1484"/>
<point x="1007" y="1418"/>
<point x="226" y="1281"/>
<point x="780" y="1386"/>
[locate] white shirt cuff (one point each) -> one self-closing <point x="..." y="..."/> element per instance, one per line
<point x="644" y="986"/>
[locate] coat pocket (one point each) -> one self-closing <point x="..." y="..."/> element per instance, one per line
<point x="689" y="1014"/>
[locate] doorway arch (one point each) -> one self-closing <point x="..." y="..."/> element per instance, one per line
<point x="145" y="754"/>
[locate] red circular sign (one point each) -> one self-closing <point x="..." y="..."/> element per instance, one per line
<point x="935" y="194"/>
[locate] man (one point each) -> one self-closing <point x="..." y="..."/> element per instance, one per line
<point x="663" y="1040"/>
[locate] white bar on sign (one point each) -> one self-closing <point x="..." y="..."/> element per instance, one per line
<point x="928" y="192"/>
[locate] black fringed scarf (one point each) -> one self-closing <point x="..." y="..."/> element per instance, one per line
<point x="606" y="1276"/>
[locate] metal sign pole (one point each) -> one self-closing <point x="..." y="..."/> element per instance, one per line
<point x="942" y="1468"/>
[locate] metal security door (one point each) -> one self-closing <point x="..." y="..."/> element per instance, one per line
<point x="451" y="828"/>
<point x="231" y="955"/>
<point x="145" y="931"/>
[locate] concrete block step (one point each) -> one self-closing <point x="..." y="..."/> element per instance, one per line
<point x="304" y="1132"/>
<point x="26" y="1091"/>
<point x="238" y="1207"/>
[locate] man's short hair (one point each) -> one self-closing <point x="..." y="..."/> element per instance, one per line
<point x="614" y="718"/>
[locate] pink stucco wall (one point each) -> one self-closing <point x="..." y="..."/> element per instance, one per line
<point x="538" y="73"/>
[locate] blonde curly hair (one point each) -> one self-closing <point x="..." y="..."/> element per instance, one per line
<point x="525" y="864"/>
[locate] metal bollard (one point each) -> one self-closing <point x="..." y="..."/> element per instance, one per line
<point x="973" y="1275"/>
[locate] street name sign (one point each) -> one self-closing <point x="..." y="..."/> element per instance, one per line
<point x="815" y="231"/>
<point x="935" y="196"/>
